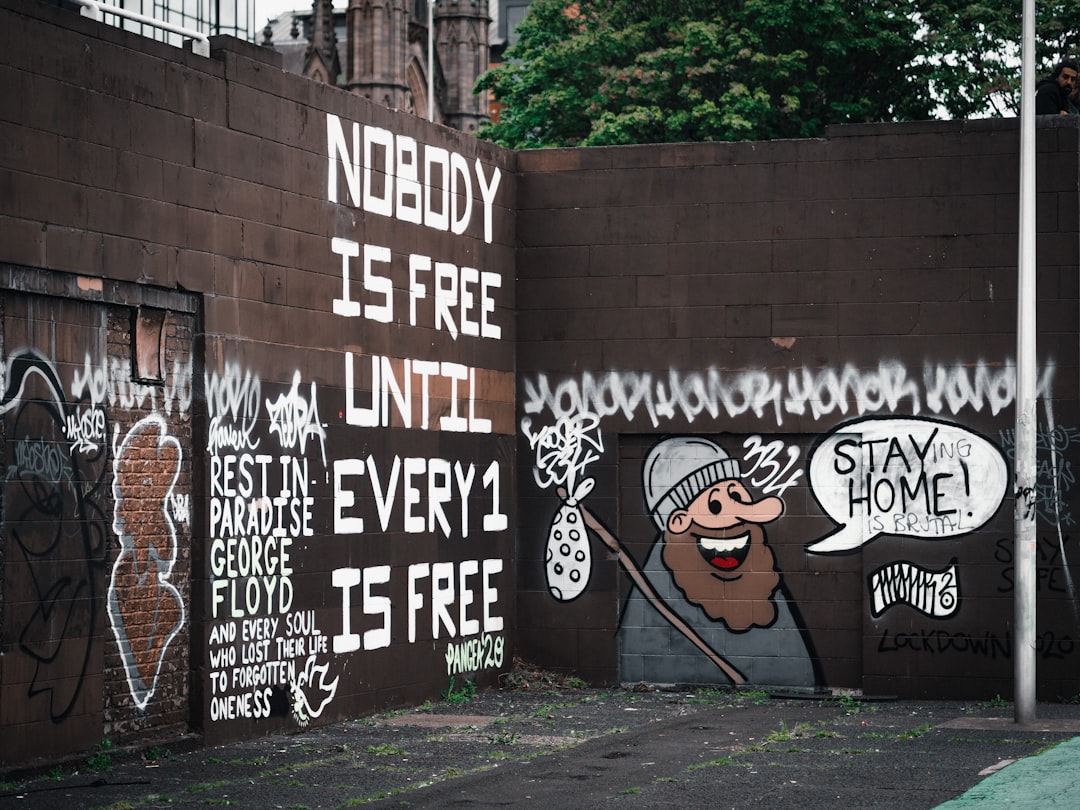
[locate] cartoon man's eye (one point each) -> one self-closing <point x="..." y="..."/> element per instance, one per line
<point x="738" y="494"/>
<point x="715" y="505"/>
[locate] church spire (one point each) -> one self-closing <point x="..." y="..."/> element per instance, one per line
<point x="461" y="39"/>
<point x="321" y="60"/>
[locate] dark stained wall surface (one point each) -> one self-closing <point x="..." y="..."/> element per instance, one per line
<point x="787" y="371"/>
<point x="321" y="527"/>
<point x="311" y="409"/>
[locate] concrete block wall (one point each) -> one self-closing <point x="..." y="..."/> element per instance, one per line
<point x="336" y="282"/>
<point x="368" y="352"/>
<point x="781" y="300"/>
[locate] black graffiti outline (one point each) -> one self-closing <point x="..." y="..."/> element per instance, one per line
<point x="87" y="518"/>
<point x="908" y="584"/>
<point x="842" y="426"/>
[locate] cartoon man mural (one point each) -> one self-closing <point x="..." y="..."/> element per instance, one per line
<point x="709" y="604"/>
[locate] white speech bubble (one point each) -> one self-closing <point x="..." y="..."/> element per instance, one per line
<point x="910" y="477"/>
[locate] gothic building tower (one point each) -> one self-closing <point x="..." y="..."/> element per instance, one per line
<point x="379" y="49"/>
<point x="461" y="44"/>
<point x="321" y="61"/>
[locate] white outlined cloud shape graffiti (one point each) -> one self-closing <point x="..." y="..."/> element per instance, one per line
<point x="919" y="478"/>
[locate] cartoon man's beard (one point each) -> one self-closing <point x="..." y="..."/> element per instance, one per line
<point x="732" y="582"/>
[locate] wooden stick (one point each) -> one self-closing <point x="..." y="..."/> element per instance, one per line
<point x="628" y="564"/>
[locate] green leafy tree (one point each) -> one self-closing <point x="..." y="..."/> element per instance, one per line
<point x="596" y="72"/>
<point x="973" y="50"/>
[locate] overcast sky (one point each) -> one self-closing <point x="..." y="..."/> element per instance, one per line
<point x="266" y="9"/>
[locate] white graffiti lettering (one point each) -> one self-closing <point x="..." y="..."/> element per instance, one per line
<point x="462" y="296"/>
<point x="474" y="654"/>
<point x="442" y="199"/>
<point x="296" y="419"/>
<point x="565" y="449"/>
<point x="817" y="392"/>
<point x="180" y="507"/>
<point x="232" y="402"/>
<point x="85" y="429"/>
<point x="418" y="481"/>
<point x="109" y="382"/>
<point x="914" y="477"/>
<point x="1054" y="475"/>
<point x="394" y="379"/>
<point x="252" y="575"/>
<point x="775" y="477"/>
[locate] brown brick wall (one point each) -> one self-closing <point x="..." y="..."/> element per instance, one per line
<point x="767" y="295"/>
<point x="138" y="163"/>
<point x="364" y="521"/>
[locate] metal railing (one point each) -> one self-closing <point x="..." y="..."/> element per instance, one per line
<point x="94" y="8"/>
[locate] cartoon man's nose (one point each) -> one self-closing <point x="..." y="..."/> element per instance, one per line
<point x="763" y="511"/>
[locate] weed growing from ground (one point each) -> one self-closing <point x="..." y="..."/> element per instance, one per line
<point x="463" y="695"/>
<point x="101" y="760"/>
<point x="785" y="734"/>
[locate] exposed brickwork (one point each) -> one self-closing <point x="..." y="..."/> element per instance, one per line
<point x="152" y="482"/>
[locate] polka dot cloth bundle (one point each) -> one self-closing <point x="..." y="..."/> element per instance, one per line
<point x="569" y="559"/>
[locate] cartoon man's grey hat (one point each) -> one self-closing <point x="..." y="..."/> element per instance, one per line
<point x="677" y="470"/>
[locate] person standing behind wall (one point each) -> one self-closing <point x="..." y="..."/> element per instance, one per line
<point x="1052" y="93"/>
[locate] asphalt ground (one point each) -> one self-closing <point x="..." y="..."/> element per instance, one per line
<point x="544" y="745"/>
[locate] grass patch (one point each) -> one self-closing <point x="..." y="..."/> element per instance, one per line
<point x="759" y="697"/>
<point x="101" y="760"/>
<point x="915" y="733"/>
<point x="464" y="694"/>
<point x="384" y="750"/>
<point x="785" y="734"/>
<point x="546" y="711"/>
<point x="498" y="755"/>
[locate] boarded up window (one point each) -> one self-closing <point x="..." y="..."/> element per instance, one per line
<point x="148" y="349"/>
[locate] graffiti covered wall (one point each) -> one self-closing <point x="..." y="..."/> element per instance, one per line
<point x="96" y="496"/>
<point x="765" y="401"/>
<point x="359" y="489"/>
<point x="315" y="521"/>
<point x="313" y="409"/>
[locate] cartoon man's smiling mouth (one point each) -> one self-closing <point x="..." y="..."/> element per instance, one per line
<point x="725" y="553"/>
